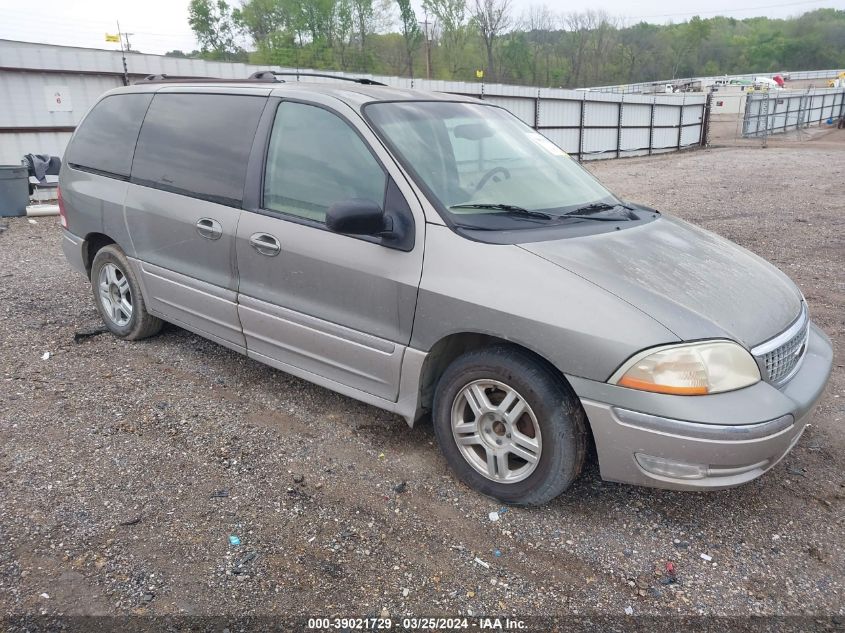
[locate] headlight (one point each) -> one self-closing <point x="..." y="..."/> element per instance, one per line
<point x="689" y="370"/>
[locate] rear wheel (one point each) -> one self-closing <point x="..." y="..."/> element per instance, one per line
<point x="509" y="426"/>
<point x="117" y="296"/>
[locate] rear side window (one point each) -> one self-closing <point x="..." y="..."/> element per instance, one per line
<point x="105" y="141"/>
<point x="198" y="145"/>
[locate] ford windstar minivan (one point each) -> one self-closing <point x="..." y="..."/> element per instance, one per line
<point x="431" y="254"/>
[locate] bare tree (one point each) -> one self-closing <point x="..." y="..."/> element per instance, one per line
<point x="592" y="37"/>
<point x="539" y="22"/>
<point x="384" y="18"/>
<point x="604" y="34"/>
<point x="579" y="25"/>
<point x="491" y="18"/>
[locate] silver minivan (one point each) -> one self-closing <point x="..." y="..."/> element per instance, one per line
<point x="432" y="255"/>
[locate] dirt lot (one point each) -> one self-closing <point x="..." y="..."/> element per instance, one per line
<point x="126" y="467"/>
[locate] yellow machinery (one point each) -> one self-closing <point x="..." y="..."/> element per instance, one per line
<point x="840" y="77"/>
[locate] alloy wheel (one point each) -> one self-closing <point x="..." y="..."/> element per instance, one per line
<point x="115" y="294"/>
<point x="496" y="431"/>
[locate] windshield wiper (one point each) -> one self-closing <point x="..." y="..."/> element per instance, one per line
<point x="596" y="207"/>
<point x="594" y="218"/>
<point x="509" y="209"/>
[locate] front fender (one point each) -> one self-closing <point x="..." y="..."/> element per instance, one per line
<point x="509" y="293"/>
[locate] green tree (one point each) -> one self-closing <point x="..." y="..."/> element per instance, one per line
<point x="214" y="27"/>
<point x="687" y="43"/>
<point x="363" y="15"/>
<point x="345" y="30"/>
<point x="451" y="16"/>
<point x="410" y="31"/>
<point x="516" y="59"/>
<point x="269" y="24"/>
<point x="544" y="48"/>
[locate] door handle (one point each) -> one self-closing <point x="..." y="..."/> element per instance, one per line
<point x="265" y="244"/>
<point x="209" y="229"/>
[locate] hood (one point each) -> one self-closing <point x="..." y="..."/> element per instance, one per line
<point x="695" y="283"/>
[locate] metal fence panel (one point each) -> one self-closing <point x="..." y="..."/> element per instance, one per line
<point x="585" y="124"/>
<point x="566" y="139"/>
<point x="558" y="112"/>
<point x="664" y="137"/>
<point x="780" y="111"/>
<point x="636" y="114"/>
<point x="599" y="140"/>
<point x="693" y="113"/>
<point x="667" y="114"/>
<point x="635" y="139"/>
<point x="601" y="114"/>
<point x="690" y="135"/>
<point x="521" y="107"/>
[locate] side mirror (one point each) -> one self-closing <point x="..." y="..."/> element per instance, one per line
<point x="393" y="226"/>
<point x="356" y="217"/>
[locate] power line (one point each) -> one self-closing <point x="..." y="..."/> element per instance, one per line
<point x="720" y="11"/>
<point x="92" y="25"/>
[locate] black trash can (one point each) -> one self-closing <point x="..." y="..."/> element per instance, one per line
<point x="14" y="190"/>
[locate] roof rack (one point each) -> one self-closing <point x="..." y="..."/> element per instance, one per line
<point x="266" y="75"/>
<point x="262" y="76"/>
<point x="165" y="79"/>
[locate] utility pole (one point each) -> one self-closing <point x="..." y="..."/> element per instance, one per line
<point x="123" y="54"/>
<point x="428" y="37"/>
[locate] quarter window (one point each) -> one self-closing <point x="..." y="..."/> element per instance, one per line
<point x="106" y="139"/>
<point x="316" y="159"/>
<point x="198" y="145"/>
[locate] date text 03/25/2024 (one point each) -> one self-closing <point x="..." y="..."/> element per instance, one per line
<point x="413" y="624"/>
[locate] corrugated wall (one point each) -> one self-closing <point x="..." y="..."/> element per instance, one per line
<point x="586" y="124"/>
<point x="29" y="98"/>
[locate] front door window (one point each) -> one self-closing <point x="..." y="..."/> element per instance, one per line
<point x="316" y="159"/>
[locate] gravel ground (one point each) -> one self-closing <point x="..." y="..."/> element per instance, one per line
<point x="127" y="467"/>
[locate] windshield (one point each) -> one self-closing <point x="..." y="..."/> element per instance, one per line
<point x="485" y="167"/>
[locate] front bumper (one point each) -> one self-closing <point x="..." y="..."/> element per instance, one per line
<point x="716" y="441"/>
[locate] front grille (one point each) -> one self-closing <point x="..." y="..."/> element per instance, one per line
<point x="779" y="358"/>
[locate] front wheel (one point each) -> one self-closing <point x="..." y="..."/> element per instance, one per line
<point x="508" y="426"/>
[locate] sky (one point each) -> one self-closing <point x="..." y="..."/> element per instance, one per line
<point x="157" y="26"/>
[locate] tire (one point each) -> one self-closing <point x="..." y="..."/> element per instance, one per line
<point x="552" y="413"/>
<point x="113" y="280"/>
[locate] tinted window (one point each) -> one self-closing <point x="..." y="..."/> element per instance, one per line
<point x="105" y="140"/>
<point x="198" y="144"/>
<point x="316" y="159"/>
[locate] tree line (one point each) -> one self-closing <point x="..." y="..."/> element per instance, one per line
<point x="455" y="39"/>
